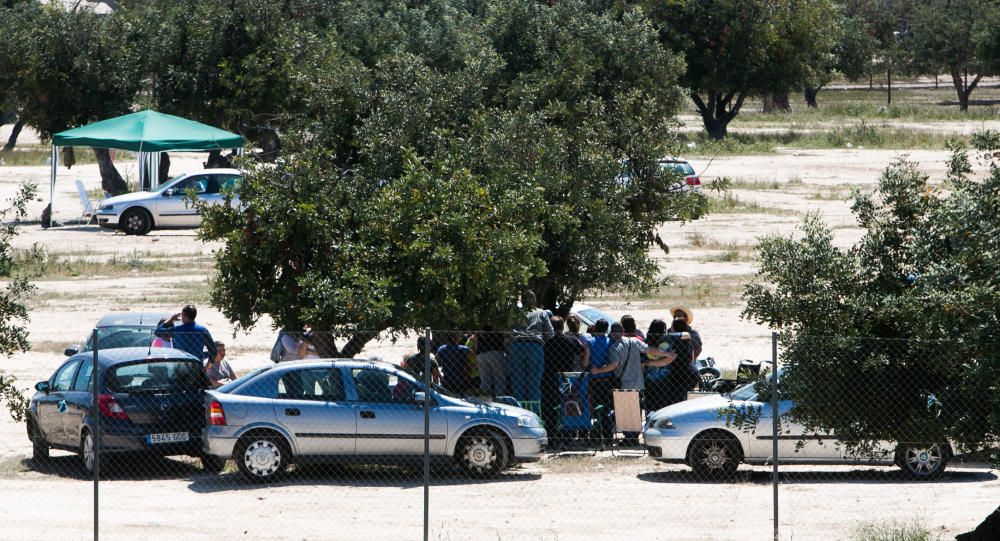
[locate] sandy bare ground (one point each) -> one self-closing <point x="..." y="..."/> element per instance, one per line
<point x="586" y="499"/>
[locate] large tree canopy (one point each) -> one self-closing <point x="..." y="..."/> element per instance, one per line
<point x="909" y="313"/>
<point x="738" y="48"/>
<point x="449" y="158"/>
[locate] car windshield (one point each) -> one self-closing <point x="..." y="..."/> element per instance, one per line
<point x="746" y="392"/>
<point x="683" y="168"/>
<point x="157" y="375"/>
<point x="121" y="337"/>
<point x="592" y="315"/>
<point x="168" y="184"/>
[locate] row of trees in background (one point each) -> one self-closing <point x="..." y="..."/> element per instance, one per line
<point x="241" y="64"/>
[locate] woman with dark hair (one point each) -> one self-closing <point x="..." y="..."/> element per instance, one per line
<point x="658" y="383"/>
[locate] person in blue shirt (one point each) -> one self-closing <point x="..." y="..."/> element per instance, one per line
<point x="602" y="380"/>
<point x="189" y="336"/>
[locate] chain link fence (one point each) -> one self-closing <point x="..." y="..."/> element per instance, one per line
<point x="579" y="431"/>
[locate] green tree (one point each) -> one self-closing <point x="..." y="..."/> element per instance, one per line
<point x="69" y="68"/>
<point x="955" y="35"/>
<point x="850" y="58"/>
<point x="542" y="107"/>
<point x="13" y="298"/>
<point x="735" y="49"/>
<point x="893" y="338"/>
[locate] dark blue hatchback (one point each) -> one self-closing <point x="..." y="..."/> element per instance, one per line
<point x="150" y="401"/>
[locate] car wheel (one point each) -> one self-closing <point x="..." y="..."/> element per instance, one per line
<point x="212" y="464"/>
<point x="923" y="461"/>
<point x="87" y="452"/>
<point x="715" y="455"/>
<point x="39" y="447"/>
<point x="136" y="221"/>
<point x="262" y="457"/>
<point x="481" y="453"/>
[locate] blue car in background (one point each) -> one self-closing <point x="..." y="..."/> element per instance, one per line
<point x="150" y="401"/>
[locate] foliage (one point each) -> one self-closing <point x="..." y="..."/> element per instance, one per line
<point x="924" y="282"/>
<point x="13" y="312"/>
<point x="451" y="156"/>
<point x="61" y="69"/>
<point x="958" y="36"/>
<point x="734" y="49"/>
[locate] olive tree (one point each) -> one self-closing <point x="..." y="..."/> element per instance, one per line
<point x="894" y="338"/>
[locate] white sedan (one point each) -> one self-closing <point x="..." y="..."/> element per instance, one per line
<point x="700" y="434"/>
<point x="168" y="205"/>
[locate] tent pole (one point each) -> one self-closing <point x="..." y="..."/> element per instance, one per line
<point x="52" y="178"/>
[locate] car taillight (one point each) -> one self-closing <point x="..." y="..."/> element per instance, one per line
<point x="110" y="408"/>
<point x="216" y="416"/>
<point x="693" y="181"/>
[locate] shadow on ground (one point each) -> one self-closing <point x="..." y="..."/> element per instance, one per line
<point x="795" y="476"/>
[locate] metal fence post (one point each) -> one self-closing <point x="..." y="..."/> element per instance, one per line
<point x="427" y="429"/>
<point x="95" y="374"/>
<point x="774" y="431"/>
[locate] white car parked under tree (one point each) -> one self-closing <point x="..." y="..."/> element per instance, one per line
<point x="168" y="205"/>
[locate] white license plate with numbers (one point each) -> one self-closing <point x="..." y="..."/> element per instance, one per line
<point x="169" y="437"/>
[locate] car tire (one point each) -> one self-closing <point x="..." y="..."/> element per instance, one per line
<point x="39" y="447"/>
<point x="481" y="453"/>
<point x="923" y="461"/>
<point x="88" y="454"/>
<point x="262" y="457"/>
<point x="212" y="463"/>
<point x="715" y="454"/>
<point x="136" y="221"/>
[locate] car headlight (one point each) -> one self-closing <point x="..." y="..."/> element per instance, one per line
<point x="529" y="421"/>
<point x="663" y="423"/>
<point x="106" y="206"/>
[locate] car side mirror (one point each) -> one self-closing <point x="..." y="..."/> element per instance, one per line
<point x="42" y="387"/>
<point x="72" y="350"/>
<point x="169" y="192"/>
<point x="419" y="396"/>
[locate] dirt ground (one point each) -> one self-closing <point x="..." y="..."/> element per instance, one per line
<point x="591" y="498"/>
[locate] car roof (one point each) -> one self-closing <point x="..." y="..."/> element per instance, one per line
<point x="115" y="356"/>
<point x="135" y="319"/>
<point x="214" y="171"/>
<point x="336" y="363"/>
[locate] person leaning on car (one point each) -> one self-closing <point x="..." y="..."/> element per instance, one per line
<point x="189" y="336"/>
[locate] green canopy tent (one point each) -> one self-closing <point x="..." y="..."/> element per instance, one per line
<point x="147" y="133"/>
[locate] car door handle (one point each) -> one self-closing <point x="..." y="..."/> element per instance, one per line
<point x="367" y="414"/>
<point x="292" y="412"/>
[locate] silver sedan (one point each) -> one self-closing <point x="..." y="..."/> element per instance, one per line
<point x="701" y="434"/>
<point x="359" y="411"/>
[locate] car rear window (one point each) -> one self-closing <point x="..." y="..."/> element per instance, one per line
<point x="157" y="375"/>
<point x="683" y="168"/>
<point x="122" y="337"/>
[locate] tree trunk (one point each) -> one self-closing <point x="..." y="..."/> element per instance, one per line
<point x="12" y="140"/>
<point x="718" y="111"/>
<point x="963" y="87"/>
<point x="810" y="95"/>
<point x="111" y="180"/>
<point x="777" y="102"/>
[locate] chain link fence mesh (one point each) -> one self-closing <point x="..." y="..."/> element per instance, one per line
<point x="574" y="433"/>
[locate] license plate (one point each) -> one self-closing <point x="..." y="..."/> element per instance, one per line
<point x="168" y="437"/>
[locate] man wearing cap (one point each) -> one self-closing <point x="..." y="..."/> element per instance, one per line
<point x="686" y="343"/>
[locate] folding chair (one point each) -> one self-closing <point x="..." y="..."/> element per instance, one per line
<point x="88" y="209"/>
<point x="628" y="419"/>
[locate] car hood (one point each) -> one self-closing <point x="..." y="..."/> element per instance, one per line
<point x="486" y="408"/>
<point x="128" y="198"/>
<point x="698" y="406"/>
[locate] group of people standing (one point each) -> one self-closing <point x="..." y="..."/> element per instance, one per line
<point x="527" y="362"/>
<point x="193" y="338"/>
